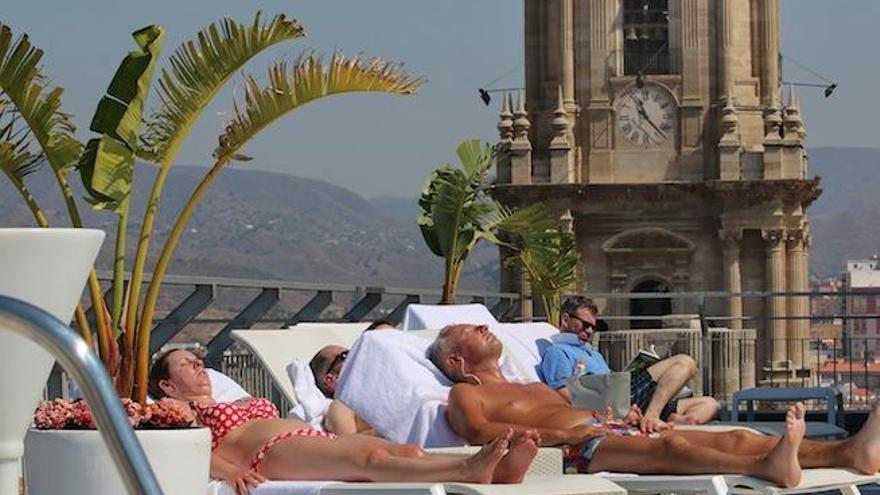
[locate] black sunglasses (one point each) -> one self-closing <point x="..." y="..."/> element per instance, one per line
<point x="337" y="361"/>
<point x="586" y="324"/>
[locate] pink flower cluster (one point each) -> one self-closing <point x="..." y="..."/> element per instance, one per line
<point x="167" y="413"/>
<point x="64" y="414"/>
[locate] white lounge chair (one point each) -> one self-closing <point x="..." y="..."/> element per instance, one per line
<point x="814" y="480"/>
<point x="276" y="348"/>
<point x="536" y="485"/>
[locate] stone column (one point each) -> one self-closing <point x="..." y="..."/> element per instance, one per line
<point x="725" y="46"/>
<point x="775" y="282"/>
<point x="798" y="306"/>
<point x="566" y="31"/>
<point x="730" y="243"/>
<point x="769" y="23"/>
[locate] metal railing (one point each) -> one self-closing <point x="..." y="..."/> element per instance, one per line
<point x="208" y="308"/>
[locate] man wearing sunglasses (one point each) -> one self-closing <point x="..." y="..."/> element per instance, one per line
<point x="326" y="365"/>
<point x="652" y="389"/>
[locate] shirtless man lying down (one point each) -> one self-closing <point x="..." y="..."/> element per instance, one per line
<point x="484" y="404"/>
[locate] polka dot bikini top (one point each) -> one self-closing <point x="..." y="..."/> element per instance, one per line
<point x="223" y="417"/>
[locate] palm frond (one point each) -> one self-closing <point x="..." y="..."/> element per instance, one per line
<point x="24" y="86"/>
<point x="309" y="79"/>
<point x="17" y="159"/>
<point x="199" y="69"/>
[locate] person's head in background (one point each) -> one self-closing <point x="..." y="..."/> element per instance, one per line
<point x="381" y="325"/>
<point x="326" y="365"/>
<point x="579" y="317"/>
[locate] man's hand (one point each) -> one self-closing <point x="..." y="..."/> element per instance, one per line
<point x="634" y="416"/>
<point x="582" y="433"/>
<point x="244" y="480"/>
<point x="651" y="424"/>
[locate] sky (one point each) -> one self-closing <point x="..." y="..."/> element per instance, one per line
<point x="381" y="145"/>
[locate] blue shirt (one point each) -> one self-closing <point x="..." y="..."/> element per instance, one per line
<point x="560" y="359"/>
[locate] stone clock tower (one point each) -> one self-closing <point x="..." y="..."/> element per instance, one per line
<point x="658" y="130"/>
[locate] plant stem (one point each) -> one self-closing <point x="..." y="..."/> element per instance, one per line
<point x="137" y="272"/>
<point x="94" y="285"/>
<point x="150" y="300"/>
<point x="119" y="269"/>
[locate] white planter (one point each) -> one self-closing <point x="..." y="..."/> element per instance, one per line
<point x="76" y="462"/>
<point x="47" y="268"/>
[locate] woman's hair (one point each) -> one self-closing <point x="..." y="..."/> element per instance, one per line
<point x="159" y="372"/>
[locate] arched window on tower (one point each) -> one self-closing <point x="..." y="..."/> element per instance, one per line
<point x="645" y="37"/>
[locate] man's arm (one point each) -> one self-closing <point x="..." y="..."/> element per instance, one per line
<point x="340" y="419"/>
<point x="467" y="417"/>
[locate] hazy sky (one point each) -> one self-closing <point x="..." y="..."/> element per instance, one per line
<point x="383" y="145"/>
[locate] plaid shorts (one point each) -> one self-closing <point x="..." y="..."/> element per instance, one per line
<point x="642" y="388"/>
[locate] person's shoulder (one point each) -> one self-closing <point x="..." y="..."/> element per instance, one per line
<point x="555" y="352"/>
<point x="463" y="390"/>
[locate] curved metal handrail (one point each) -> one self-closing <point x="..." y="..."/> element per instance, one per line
<point x="75" y="356"/>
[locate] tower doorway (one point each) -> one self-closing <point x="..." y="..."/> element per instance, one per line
<point x="649" y="307"/>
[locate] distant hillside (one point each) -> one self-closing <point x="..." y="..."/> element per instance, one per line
<point x="846" y="218"/>
<point x="256" y="224"/>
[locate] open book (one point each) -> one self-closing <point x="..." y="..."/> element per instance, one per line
<point x="643" y="360"/>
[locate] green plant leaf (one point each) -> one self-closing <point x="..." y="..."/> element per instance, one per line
<point x="308" y="80"/>
<point x="107" y="164"/>
<point x="23" y="85"/>
<point x="200" y="69"/>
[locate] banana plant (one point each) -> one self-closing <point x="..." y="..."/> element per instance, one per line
<point x="457" y="212"/>
<point x="195" y="73"/>
<point x="549" y="256"/>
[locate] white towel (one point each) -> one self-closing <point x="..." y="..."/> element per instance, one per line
<point x="312" y="405"/>
<point x="390" y="383"/>
<point x="433" y="316"/>
<point x="524" y="342"/>
<point x="225" y="389"/>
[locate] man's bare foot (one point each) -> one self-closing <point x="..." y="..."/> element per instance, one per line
<point x="480" y="467"/>
<point x="781" y="465"/>
<point x="513" y="466"/>
<point x="862" y="451"/>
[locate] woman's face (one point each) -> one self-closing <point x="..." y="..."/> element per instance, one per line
<point x="186" y="376"/>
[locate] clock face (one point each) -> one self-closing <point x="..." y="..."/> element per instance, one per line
<point x="646" y="116"/>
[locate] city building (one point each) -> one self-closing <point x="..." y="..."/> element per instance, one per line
<point x="863" y="279"/>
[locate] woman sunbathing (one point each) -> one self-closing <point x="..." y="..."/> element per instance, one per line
<point x="251" y="444"/>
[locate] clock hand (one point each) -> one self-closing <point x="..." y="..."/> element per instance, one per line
<point x="645" y="116"/>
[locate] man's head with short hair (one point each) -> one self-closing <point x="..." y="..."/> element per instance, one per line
<point x="326" y="366"/>
<point x="579" y="317"/>
<point x="459" y="349"/>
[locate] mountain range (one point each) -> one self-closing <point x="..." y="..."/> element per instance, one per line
<point x="264" y="225"/>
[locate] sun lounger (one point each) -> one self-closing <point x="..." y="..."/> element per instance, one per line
<point x="535" y="485"/>
<point x="814" y="480"/>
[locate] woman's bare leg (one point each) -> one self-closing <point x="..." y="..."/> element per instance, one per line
<point x="674" y="454"/>
<point x="360" y="458"/>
